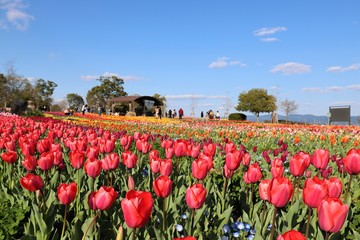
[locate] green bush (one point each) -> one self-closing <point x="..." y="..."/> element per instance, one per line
<point x="35" y="112"/>
<point x="237" y="116"/>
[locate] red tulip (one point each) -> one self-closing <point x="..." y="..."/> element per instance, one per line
<point x="332" y="213"/>
<point x="230" y="147"/>
<point x="264" y="190"/>
<point x="31" y="182"/>
<point x="280" y="191"/>
<point x="315" y="190"/>
<point x="153" y="154"/>
<point x="10" y="145"/>
<point x="277" y="169"/>
<point x="126" y="142"/>
<point x="67" y="193"/>
<point x="91" y="201"/>
<point x="137" y="207"/>
<point x="129" y="159"/>
<point x="299" y="163"/>
<point x="199" y="169"/>
<point x="209" y="149"/>
<point x="46" y="161"/>
<point x="162" y="186"/>
<point x="9" y="157"/>
<point x="167" y="143"/>
<point x="43" y="145"/>
<point x="92" y="152"/>
<point x="246" y="159"/>
<point x="57" y="156"/>
<point x="180" y="147"/>
<point x="77" y="159"/>
<point x="194" y="151"/>
<point x="155" y="164"/>
<point x="227" y="172"/>
<point x="93" y="167"/>
<point x="105" y="197"/>
<point x="169" y="152"/>
<point x="253" y="174"/>
<point x="29" y="163"/>
<point x="321" y="158"/>
<point x="352" y="162"/>
<point x="110" y="162"/>
<point x="195" y="196"/>
<point x="291" y="235"/>
<point x="233" y="159"/>
<point x="28" y="148"/>
<point x="334" y="186"/>
<point x="166" y="167"/>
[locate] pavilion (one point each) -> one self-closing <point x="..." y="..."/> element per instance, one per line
<point x="136" y="105"/>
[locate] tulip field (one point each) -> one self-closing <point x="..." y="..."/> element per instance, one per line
<point x="114" y="177"/>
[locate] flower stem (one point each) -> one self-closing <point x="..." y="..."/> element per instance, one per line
<point x="92" y="222"/>
<point x="164" y="215"/>
<point x="308" y="223"/>
<point x="327" y="236"/>
<point x="348" y="188"/>
<point x="192" y="221"/>
<point x="224" y="193"/>
<point x="64" y="223"/>
<point x="133" y="234"/>
<point x="273" y="224"/>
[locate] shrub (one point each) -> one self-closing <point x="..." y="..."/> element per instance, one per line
<point x="237" y="116"/>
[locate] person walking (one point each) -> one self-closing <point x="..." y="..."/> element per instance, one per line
<point x="181" y="113"/>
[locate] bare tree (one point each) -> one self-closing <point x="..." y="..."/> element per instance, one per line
<point x="193" y="105"/>
<point x="288" y="107"/>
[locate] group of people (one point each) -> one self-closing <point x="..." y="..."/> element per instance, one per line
<point x="173" y="114"/>
<point x="211" y="115"/>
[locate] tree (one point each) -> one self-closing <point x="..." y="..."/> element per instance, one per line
<point x="43" y="92"/>
<point x="75" y="100"/>
<point x="288" y="107"/>
<point x="256" y="101"/>
<point x="110" y="87"/>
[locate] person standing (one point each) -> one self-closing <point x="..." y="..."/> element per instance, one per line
<point x="159" y="112"/>
<point x="170" y="113"/>
<point x="217" y="116"/>
<point x="202" y="114"/>
<point x="181" y="113"/>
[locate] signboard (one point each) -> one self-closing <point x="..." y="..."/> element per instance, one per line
<point x="339" y="114"/>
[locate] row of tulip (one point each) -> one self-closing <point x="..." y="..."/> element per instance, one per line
<point x="80" y="181"/>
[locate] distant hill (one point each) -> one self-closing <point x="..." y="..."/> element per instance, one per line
<point x="302" y="118"/>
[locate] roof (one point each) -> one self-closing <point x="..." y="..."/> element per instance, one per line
<point x="137" y="99"/>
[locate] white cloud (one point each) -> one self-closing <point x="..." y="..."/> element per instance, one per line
<point x="270" y="39"/>
<point x="225" y="62"/>
<point x="354" y="87"/>
<point x="15" y="14"/>
<point x="109" y="74"/>
<point x="291" y="68"/>
<point x="312" y="90"/>
<point x="268" y="31"/>
<point x="337" y="69"/>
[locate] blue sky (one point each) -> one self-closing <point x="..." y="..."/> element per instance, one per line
<point x="199" y="54"/>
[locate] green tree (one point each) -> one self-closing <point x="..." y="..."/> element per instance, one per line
<point x="43" y="92"/>
<point x="109" y="87"/>
<point x="75" y="100"/>
<point x="256" y="101"/>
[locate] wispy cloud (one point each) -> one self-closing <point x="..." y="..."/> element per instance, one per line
<point x="262" y="32"/>
<point x="225" y="62"/>
<point x="291" y="68"/>
<point x="15" y="14"/>
<point x="270" y="39"/>
<point x="268" y="31"/>
<point x="194" y="96"/>
<point x="109" y="74"/>
<point x="337" y="69"/>
<point x="355" y="87"/>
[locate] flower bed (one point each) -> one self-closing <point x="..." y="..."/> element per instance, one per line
<point x="102" y="177"/>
